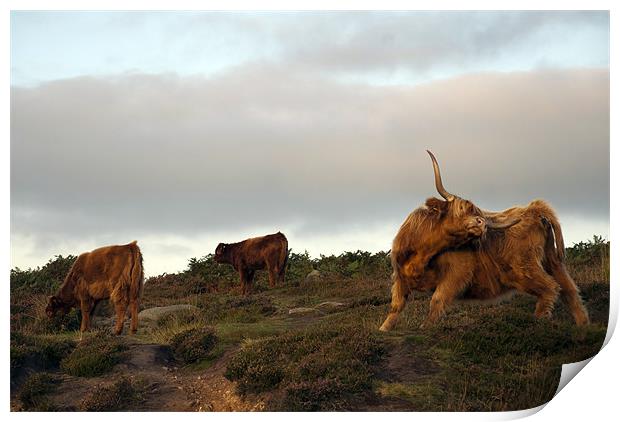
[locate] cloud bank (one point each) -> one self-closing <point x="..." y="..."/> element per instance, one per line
<point x="265" y="147"/>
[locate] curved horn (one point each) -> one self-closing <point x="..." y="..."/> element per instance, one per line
<point x="442" y="191"/>
<point x="495" y="225"/>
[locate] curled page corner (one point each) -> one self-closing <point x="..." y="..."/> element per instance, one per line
<point x="519" y="414"/>
<point x="569" y="370"/>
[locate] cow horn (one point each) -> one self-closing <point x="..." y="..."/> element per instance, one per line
<point x="503" y="225"/>
<point x="442" y="191"/>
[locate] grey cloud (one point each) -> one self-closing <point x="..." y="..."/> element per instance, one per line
<point x="265" y="146"/>
<point x="417" y="41"/>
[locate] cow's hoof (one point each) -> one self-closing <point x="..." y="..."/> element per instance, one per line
<point x="582" y="319"/>
<point x="385" y="328"/>
<point x="543" y="315"/>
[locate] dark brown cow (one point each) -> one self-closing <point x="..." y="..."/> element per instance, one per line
<point x="258" y="253"/>
<point x="439" y="248"/>
<point x="111" y="272"/>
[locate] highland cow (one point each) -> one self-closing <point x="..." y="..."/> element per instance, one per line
<point x="266" y="252"/>
<point x="456" y="250"/>
<point x="110" y="272"/>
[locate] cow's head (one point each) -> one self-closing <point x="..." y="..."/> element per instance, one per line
<point x="459" y="218"/>
<point x="220" y="253"/>
<point x="56" y="305"/>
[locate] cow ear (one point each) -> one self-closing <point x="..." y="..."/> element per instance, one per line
<point x="437" y="206"/>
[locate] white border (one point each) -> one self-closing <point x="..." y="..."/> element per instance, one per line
<point x="593" y="392"/>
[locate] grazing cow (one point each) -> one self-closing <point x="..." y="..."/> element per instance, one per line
<point x="111" y="272"/>
<point x="257" y="253"/>
<point x="457" y="250"/>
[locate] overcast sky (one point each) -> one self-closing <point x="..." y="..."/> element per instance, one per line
<point x="182" y="130"/>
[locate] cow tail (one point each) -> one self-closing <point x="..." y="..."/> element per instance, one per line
<point x="559" y="239"/>
<point x="137" y="273"/>
<point x="550" y="216"/>
<point x="284" y="259"/>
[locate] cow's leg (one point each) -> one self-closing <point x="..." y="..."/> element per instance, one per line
<point x="453" y="284"/>
<point x="399" y="299"/>
<point x="134" y="305"/>
<point x="121" y="308"/>
<point x="540" y="284"/>
<point x="242" y="280"/>
<point x="249" y="279"/>
<point x="272" y="270"/>
<point x="86" y="307"/>
<point x="570" y="294"/>
<point x="281" y="274"/>
<point x="569" y="290"/>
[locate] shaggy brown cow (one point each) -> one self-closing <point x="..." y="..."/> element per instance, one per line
<point x="253" y="254"/>
<point x="111" y="272"/>
<point x="521" y="248"/>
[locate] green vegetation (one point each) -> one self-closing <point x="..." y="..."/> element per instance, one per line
<point x="44" y="352"/>
<point x="42" y="280"/>
<point x="588" y="261"/>
<point x="119" y="395"/>
<point x="193" y="344"/>
<point x="32" y="393"/>
<point x="313" y="366"/>
<point x="331" y="358"/>
<point x="95" y="355"/>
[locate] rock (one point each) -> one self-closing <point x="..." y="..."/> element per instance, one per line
<point x="329" y="305"/>
<point x="302" y="311"/>
<point x="157" y="313"/>
<point x="313" y="275"/>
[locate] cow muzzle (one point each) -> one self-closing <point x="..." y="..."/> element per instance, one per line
<point x="476" y="227"/>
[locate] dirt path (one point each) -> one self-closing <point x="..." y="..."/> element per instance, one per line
<point x="161" y="385"/>
<point x="211" y="391"/>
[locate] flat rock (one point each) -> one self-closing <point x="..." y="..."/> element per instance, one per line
<point x="302" y="311"/>
<point x="155" y="314"/>
<point x="329" y="305"/>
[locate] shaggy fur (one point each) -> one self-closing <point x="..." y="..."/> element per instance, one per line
<point x="527" y="256"/>
<point x="111" y="272"/>
<point x="257" y="253"/>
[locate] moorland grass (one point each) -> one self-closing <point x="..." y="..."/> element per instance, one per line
<point x="308" y="365"/>
<point x="193" y="344"/>
<point x="32" y="393"/>
<point x="41" y="351"/>
<point x="476" y="358"/>
<point x="119" y="395"/>
<point x="94" y="356"/>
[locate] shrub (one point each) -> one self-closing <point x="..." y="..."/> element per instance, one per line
<point x="28" y="316"/>
<point x="46" y="279"/>
<point x="355" y="264"/>
<point x="298" y="266"/>
<point x="308" y="365"/>
<point x="32" y="393"/>
<point x="193" y="344"/>
<point x="42" y="351"/>
<point x="588" y="262"/>
<point x="256" y="368"/>
<point x="94" y="356"/>
<point x="521" y="334"/>
<point x="317" y="395"/>
<point x="113" y="397"/>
